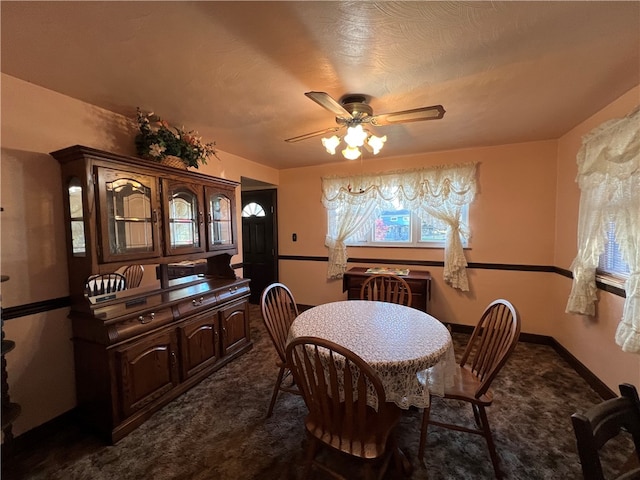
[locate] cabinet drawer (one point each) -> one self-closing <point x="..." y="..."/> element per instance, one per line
<point x="233" y="292"/>
<point x="140" y="323"/>
<point x="196" y="304"/>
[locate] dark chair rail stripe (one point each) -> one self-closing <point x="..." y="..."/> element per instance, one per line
<point x="35" y="307"/>
<point x="46" y="305"/>
<point x="599" y="386"/>
<point x="473" y="265"/>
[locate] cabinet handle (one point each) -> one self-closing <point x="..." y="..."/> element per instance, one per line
<point x="198" y="302"/>
<point x="173" y="358"/>
<point x="154" y="217"/>
<point x="233" y="289"/>
<point x="201" y="216"/>
<point x="146" y="318"/>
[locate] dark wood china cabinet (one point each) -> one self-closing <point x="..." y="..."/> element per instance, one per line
<point x="137" y="349"/>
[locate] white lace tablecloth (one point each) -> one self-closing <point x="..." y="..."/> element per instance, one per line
<point x="411" y="351"/>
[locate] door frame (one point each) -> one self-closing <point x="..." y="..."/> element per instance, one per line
<point x="274" y="218"/>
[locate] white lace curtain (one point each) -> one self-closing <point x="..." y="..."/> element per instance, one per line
<point x="441" y="192"/>
<point x="609" y="180"/>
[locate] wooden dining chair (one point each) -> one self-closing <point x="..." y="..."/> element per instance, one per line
<point x="347" y="408"/>
<point x="386" y="288"/>
<point x="279" y="310"/>
<point x="133" y="274"/>
<point x="491" y="343"/>
<point x="601" y="423"/>
<point x="104" y="283"/>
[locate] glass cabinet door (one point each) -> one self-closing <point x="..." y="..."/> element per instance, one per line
<point x="220" y="222"/>
<point x="76" y="218"/>
<point x="129" y="215"/>
<point x="184" y="227"/>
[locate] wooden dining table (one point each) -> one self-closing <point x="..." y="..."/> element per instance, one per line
<point x="411" y="351"/>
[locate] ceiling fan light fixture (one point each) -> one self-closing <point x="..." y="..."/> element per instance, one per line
<point x="331" y="143"/>
<point x="351" y="153"/>
<point x="376" y="143"/>
<point x="352" y="111"/>
<point x="355" y="136"/>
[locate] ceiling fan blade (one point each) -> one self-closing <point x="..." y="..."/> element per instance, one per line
<point x="328" y="102"/>
<point x="434" y="112"/>
<point x="313" y="134"/>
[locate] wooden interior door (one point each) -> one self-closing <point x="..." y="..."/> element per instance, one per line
<point x="259" y="240"/>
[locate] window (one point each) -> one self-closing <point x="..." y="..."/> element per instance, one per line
<point x="404" y="228"/>
<point x="611" y="264"/>
<point x="253" y="209"/>
<point x="608" y="176"/>
<point x="412" y="208"/>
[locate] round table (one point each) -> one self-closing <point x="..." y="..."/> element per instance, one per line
<point x="411" y="351"/>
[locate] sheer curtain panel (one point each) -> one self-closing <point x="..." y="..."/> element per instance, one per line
<point x="440" y="191"/>
<point x="609" y="180"/>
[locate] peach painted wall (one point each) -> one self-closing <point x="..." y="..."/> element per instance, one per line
<point x="34" y="122"/>
<point x="589" y="339"/>
<point x="512" y="221"/>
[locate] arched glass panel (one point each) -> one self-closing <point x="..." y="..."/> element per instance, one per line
<point x="130" y="225"/>
<point x="183" y="219"/>
<point x="253" y="209"/>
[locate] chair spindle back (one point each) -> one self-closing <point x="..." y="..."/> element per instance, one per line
<point x="492" y="341"/>
<point x="386" y="288"/>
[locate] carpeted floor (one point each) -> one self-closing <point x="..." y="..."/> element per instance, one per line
<point x="218" y="430"/>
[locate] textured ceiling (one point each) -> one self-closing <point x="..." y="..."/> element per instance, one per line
<point x="237" y="71"/>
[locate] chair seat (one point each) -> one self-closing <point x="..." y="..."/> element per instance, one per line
<point x="603" y="422"/>
<point x="376" y="427"/>
<point x="465" y="387"/>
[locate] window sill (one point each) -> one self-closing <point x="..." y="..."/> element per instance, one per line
<point x="611" y="283"/>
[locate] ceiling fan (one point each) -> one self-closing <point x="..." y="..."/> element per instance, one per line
<point x="353" y="111"/>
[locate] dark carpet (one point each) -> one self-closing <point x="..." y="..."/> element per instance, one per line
<point x="218" y="430"/>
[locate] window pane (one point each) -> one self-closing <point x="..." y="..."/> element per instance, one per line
<point x="611" y="260"/>
<point x="393" y="226"/>
<point x="253" y="209"/>
<point x="432" y="229"/>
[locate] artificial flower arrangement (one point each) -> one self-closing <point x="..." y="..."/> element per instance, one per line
<point x="157" y="141"/>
